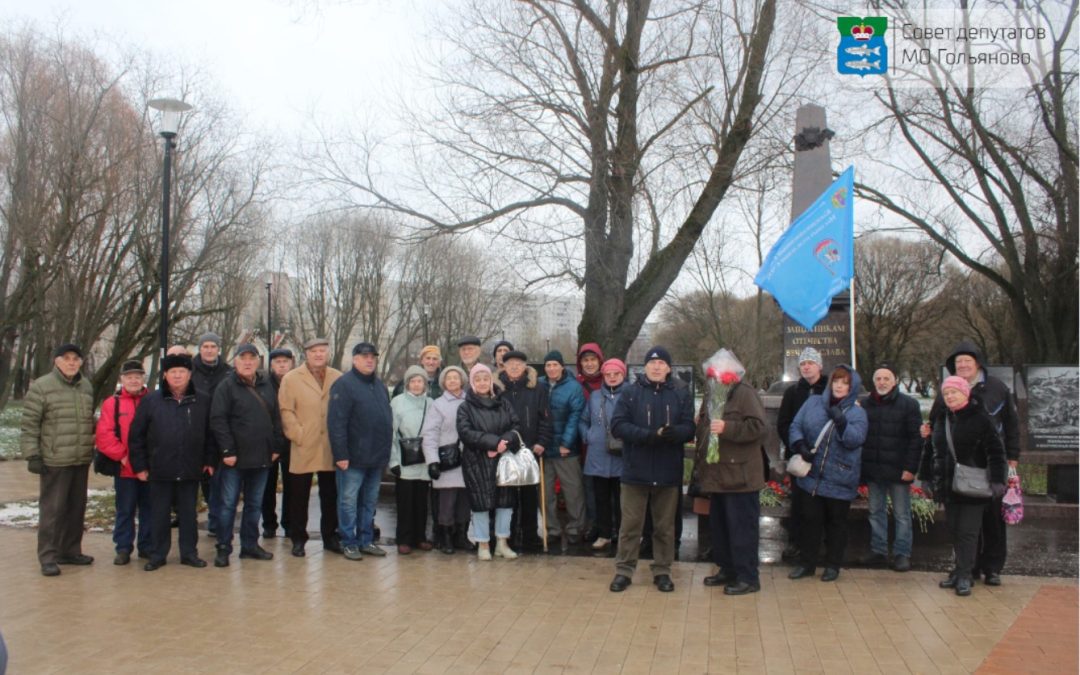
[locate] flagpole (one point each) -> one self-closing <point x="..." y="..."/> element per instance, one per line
<point x="851" y="293"/>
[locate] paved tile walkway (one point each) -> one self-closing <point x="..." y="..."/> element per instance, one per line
<point x="1043" y="639"/>
<point x="430" y="613"/>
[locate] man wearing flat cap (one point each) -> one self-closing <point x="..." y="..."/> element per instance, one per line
<point x="246" y="423"/>
<point x="304" y="399"/>
<point x="57" y="440"/>
<point x="468" y="351"/>
<point x="360" y="425"/>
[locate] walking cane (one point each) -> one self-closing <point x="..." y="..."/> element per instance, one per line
<point x="543" y="504"/>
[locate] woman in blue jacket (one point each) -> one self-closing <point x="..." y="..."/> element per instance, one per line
<point x="828" y="431"/>
<point x="604" y="461"/>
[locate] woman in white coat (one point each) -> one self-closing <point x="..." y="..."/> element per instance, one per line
<point x="440" y="431"/>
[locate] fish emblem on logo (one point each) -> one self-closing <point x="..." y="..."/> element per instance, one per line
<point x="862" y="37"/>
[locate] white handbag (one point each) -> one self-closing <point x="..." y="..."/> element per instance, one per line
<point x="517" y="469"/>
<point x="799" y="467"/>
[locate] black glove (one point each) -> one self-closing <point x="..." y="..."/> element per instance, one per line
<point x="396" y="470"/>
<point x="803" y="450"/>
<point x="693" y="490"/>
<point x="998" y="490"/>
<point x="433" y="470"/>
<point x="35" y="464"/>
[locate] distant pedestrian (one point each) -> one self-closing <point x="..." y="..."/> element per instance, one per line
<point x="132" y="495"/>
<point x="57" y="440"/>
<point x="828" y="432"/>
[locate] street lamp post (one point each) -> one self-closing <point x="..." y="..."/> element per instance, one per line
<point x="170" y="109"/>
<point x="424" y="309"/>
<point x="269" y="316"/>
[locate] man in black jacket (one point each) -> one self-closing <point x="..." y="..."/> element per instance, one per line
<point x="890" y="458"/>
<point x="654" y="418"/>
<point x="172" y="448"/>
<point x="207" y="371"/>
<point x="281" y="362"/>
<point x="968" y="362"/>
<point x="246" y="423"/>
<point x="810" y="383"/>
<point x="530" y="403"/>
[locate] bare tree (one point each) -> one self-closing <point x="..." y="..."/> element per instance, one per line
<point x="79" y="207"/>
<point x="1006" y="162"/>
<point x="602" y="136"/>
<point x="895" y="280"/>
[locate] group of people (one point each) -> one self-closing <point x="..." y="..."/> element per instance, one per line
<point x="615" y="447"/>
<point x="880" y="440"/>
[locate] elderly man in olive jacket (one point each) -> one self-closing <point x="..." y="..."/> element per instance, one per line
<point x="246" y="423"/>
<point x="58" y="442"/>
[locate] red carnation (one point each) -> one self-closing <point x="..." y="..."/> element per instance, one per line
<point x="728" y="378"/>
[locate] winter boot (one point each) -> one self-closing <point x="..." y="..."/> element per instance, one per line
<point x="461" y="538"/>
<point x="503" y="550"/>
<point x="445" y="537"/>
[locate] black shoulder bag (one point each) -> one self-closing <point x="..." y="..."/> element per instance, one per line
<point x="412" y="449"/>
<point x="103" y="464"/>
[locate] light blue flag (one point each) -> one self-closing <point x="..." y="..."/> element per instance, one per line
<point x="814" y="259"/>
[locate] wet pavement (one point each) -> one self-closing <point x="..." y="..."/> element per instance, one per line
<point x="1047" y="548"/>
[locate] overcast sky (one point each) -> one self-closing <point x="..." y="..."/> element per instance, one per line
<point x="275" y="59"/>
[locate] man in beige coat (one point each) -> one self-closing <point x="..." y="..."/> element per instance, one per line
<point x="304" y="398"/>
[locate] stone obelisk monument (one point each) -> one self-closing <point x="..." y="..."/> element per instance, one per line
<point x="812" y="175"/>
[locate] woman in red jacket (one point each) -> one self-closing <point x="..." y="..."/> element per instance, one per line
<point x="111" y="437"/>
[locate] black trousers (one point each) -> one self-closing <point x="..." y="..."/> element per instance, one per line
<point x="298" y="488"/>
<point x="608" y="511"/>
<point x="964" y="521"/>
<point x="62" y="512"/>
<point x="412" y="510"/>
<point x="269" y="504"/>
<point x="992" y="545"/>
<point x="453" y="506"/>
<point x="182" y="493"/>
<point x="524" y="523"/>
<point x="734" y="518"/>
<point x="794" y="518"/>
<point x="823" y="515"/>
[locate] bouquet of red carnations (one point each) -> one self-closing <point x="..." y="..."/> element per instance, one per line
<point x="723" y="370"/>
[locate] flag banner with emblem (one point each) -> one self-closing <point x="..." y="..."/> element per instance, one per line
<point x="814" y="259"/>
